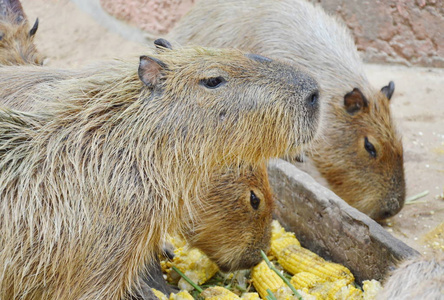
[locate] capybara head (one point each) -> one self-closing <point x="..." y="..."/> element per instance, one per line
<point x="276" y="102"/>
<point x="366" y="165"/>
<point x="234" y="222"/>
<point x="16" y="37"/>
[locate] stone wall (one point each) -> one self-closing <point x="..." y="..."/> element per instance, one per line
<point x="409" y="32"/>
<point x="154" y="16"/>
<point x="397" y="31"/>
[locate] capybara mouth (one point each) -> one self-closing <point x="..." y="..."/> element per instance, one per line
<point x="247" y="261"/>
<point x="385" y="214"/>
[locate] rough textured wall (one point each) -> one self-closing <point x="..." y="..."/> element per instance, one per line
<point x="400" y="31"/>
<point x="153" y="16"/>
<point x="409" y="32"/>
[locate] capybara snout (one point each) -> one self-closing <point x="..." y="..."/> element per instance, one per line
<point x="301" y="96"/>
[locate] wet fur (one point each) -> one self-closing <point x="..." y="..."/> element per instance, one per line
<point x="303" y="34"/>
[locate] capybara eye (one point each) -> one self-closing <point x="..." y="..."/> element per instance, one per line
<point x="213" y="82"/>
<point x="369" y="147"/>
<point x="254" y="200"/>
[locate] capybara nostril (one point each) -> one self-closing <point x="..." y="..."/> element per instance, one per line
<point x="313" y="100"/>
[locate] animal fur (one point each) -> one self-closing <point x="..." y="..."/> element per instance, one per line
<point x="94" y="178"/>
<point x="421" y="277"/>
<point x="303" y="34"/>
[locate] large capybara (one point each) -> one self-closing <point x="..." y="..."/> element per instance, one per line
<point x="359" y="152"/>
<point x="115" y="158"/>
<point x="16" y="37"/>
<point x="421" y="277"/>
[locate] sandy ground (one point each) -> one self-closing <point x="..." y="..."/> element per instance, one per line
<point x="71" y="38"/>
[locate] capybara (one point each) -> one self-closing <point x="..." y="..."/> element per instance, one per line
<point x="359" y="152"/>
<point x="16" y="37"/>
<point x="420" y="277"/>
<point x="115" y="158"/>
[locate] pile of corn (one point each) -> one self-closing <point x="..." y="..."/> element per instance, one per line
<point x="312" y="276"/>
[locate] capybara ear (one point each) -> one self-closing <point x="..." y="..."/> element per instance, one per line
<point x="354" y="101"/>
<point x="388" y="90"/>
<point x="34" y="28"/>
<point x="162" y="44"/>
<point x="150" y="70"/>
<point x="12" y="6"/>
<point x="258" y="58"/>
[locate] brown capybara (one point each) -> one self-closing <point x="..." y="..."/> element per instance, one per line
<point x="115" y="158"/>
<point x="16" y="37"/>
<point x="420" y="277"/>
<point x="358" y="152"/>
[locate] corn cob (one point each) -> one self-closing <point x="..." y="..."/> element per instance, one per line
<point x="280" y="239"/>
<point x="218" y="293"/>
<point x="159" y="294"/>
<point x="250" y="296"/>
<point x="306" y="280"/>
<point x="336" y="290"/>
<point x="182" y="295"/>
<point x="264" y="278"/>
<point x="371" y="289"/>
<point x="194" y="264"/>
<point x="296" y="259"/>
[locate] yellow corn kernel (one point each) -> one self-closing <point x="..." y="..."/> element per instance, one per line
<point x="218" y="293"/>
<point x="265" y="278"/>
<point x="371" y="289"/>
<point x="182" y="295"/>
<point x="336" y="290"/>
<point x="305" y="280"/>
<point x="284" y="293"/>
<point x="354" y="293"/>
<point x="250" y="296"/>
<point x="176" y="241"/>
<point x="194" y="264"/>
<point x="159" y="294"/>
<point x="280" y="239"/>
<point x="296" y="259"/>
<point x="339" y="291"/>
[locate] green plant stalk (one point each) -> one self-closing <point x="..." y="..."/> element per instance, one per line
<point x="295" y="292"/>
<point x="270" y="295"/>
<point x="188" y="280"/>
<point x="416" y="197"/>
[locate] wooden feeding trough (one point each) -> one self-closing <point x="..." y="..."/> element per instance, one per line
<point x="328" y="226"/>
